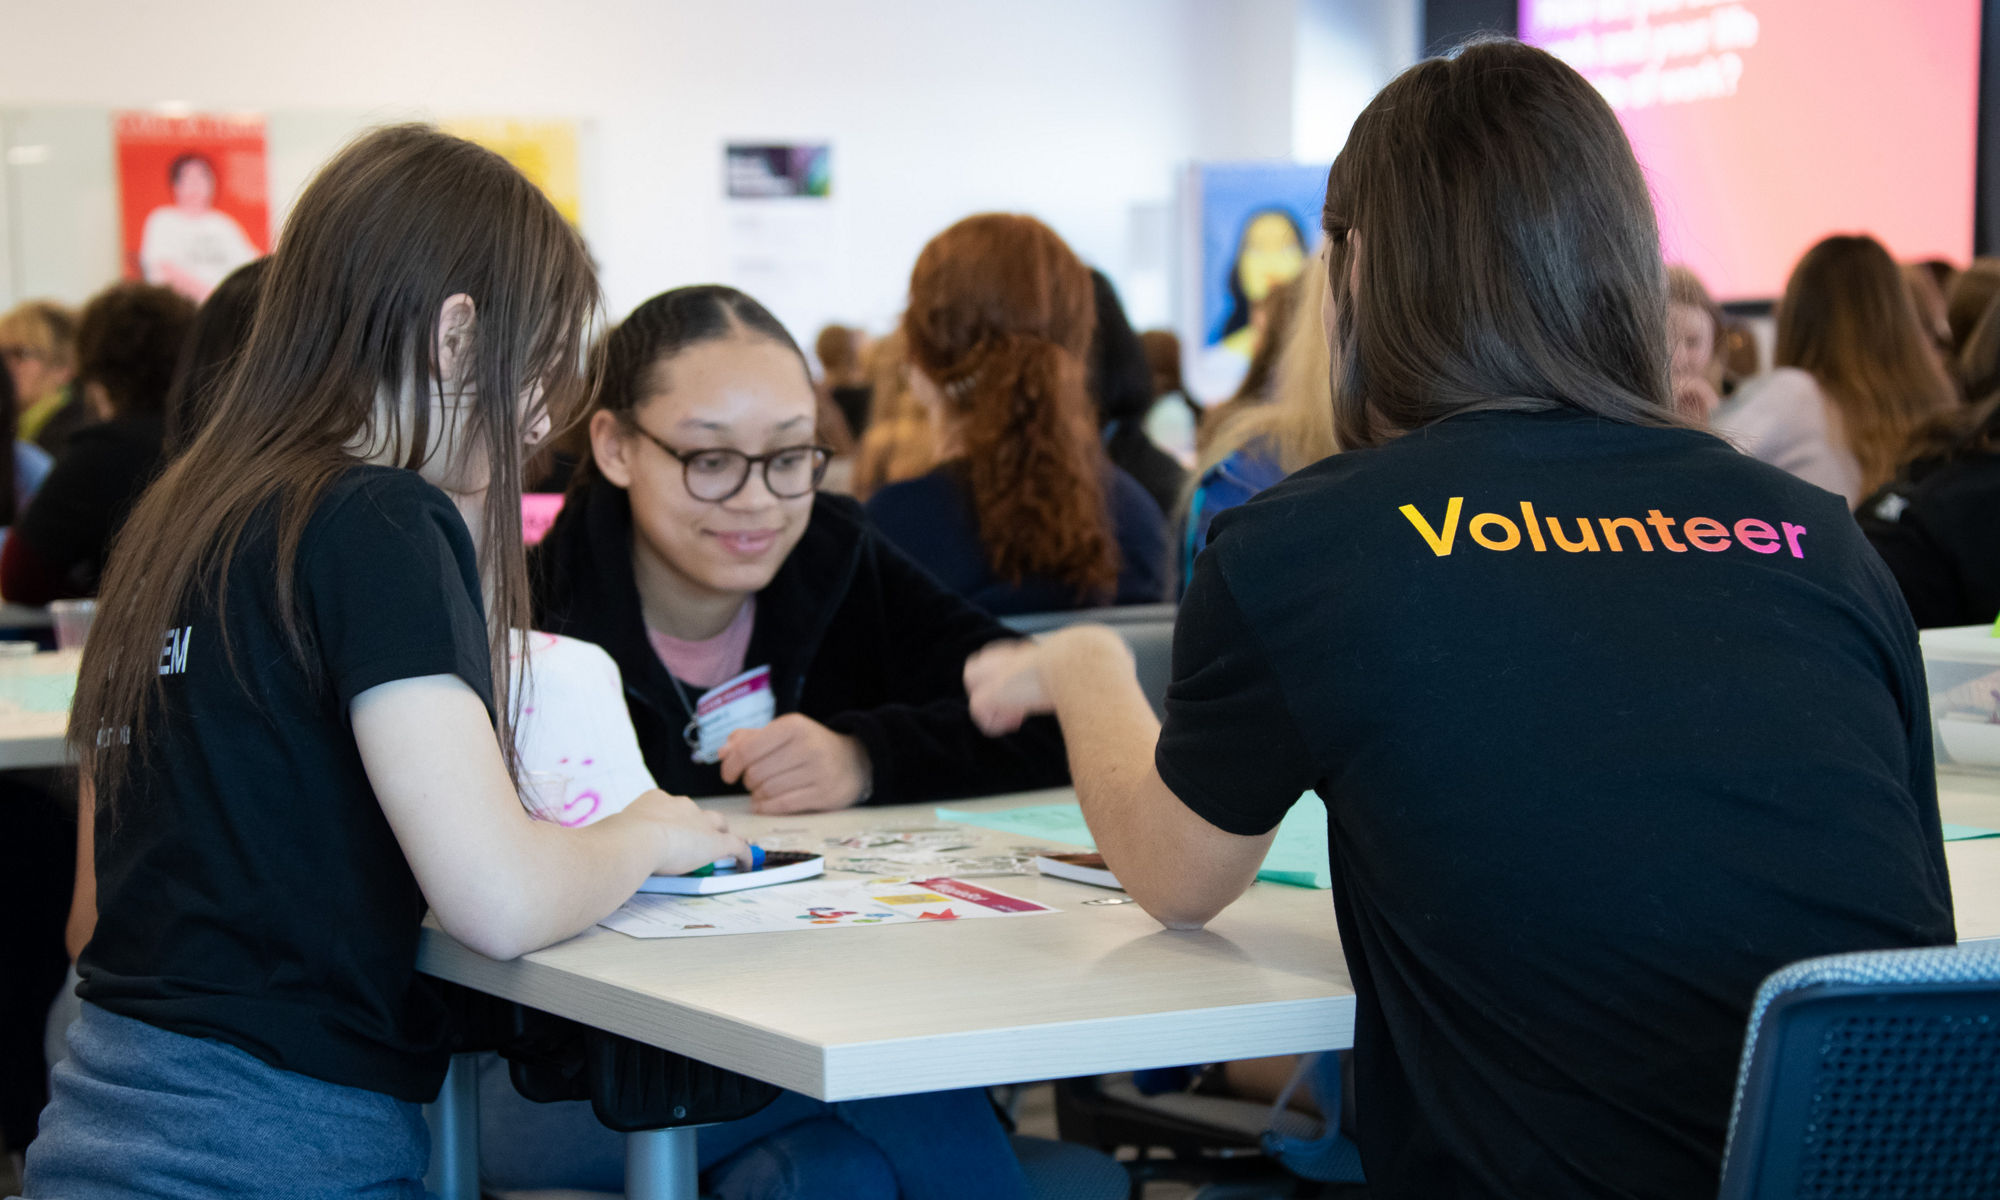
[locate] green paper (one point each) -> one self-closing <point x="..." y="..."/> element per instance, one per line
<point x="1967" y="833"/>
<point x="37" y="693"/>
<point x="1055" y="822"/>
<point x="1298" y="854"/>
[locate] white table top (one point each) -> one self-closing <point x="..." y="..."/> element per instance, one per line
<point x="33" y="739"/>
<point x="846" y="1013"/>
<point x="1975" y="865"/>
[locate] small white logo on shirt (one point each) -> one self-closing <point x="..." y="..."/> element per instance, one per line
<point x="174" y="651"/>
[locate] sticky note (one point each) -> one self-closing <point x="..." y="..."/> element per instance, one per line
<point x="1967" y="833"/>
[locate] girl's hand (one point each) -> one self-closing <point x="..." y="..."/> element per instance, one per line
<point x="797" y="765"/>
<point x="688" y="837"/>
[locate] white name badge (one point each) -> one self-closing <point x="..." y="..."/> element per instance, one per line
<point x="745" y="702"/>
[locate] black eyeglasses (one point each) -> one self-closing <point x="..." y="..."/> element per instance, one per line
<point x="713" y="476"/>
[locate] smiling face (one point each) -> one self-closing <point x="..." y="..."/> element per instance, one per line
<point x="745" y="393"/>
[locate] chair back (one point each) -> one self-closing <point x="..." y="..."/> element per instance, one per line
<point x="1123" y="614"/>
<point x="1872" y="1074"/>
<point x="1148" y="630"/>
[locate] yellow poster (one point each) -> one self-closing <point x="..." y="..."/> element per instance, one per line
<point x="543" y="150"/>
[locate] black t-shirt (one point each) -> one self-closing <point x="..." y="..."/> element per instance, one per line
<point x="249" y="886"/>
<point x="89" y="492"/>
<point x="1586" y="786"/>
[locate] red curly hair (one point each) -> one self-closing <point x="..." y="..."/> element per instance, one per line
<point x="1000" y="318"/>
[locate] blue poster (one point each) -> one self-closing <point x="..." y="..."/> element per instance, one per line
<point x="1258" y="223"/>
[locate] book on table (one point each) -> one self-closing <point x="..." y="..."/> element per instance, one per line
<point x="1081" y="867"/>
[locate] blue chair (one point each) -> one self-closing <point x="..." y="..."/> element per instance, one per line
<point x="1872" y="1074"/>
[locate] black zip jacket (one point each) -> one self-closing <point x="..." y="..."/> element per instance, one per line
<point x="858" y="637"/>
<point x="1938" y="528"/>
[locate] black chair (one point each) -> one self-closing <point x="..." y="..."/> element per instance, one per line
<point x="1123" y="614"/>
<point x="1872" y="1075"/>
<point x="1195" y="1138"/>
<point x="632" y="1087"/>
<point x="1148" y="630"/>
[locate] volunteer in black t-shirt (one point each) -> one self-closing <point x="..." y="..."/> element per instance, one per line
<point x="1611" y="721"/>
<point x="288" y="705"/>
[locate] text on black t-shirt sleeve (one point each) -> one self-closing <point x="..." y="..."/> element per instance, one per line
<point x="1229" y="749"/>
<point x="392" y="585"/>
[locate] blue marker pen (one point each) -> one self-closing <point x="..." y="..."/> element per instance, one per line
<point x="726" y="865"/>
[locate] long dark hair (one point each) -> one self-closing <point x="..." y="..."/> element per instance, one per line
<point x="632" y="360"/>
<point x="1507" y="257"/>
<point x="221" y="327"/>
<point x="401" y="220"/>
<point x="1000" y="318"/>
<point x="1121" y="378"/>
<point x="1847" y="318"/>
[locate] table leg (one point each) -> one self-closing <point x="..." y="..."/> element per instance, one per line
<point x="660" y="1165"/>
<point x="454" y="1122"/>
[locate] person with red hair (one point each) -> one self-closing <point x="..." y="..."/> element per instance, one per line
<point x="1026" y="514"/>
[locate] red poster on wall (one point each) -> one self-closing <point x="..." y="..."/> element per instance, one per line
<point x="193" y="197"/>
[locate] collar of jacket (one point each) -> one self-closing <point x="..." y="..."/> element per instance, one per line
<point x="585" y="588"/>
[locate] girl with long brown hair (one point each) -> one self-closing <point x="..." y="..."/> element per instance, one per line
<point x="1562" y="668"/>
<point x="1025" y="514"/>
<point x="294" y="702"/>
<point x="1856" y="374"/>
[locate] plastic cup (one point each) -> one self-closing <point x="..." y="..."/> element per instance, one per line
<point x="73" y="618"/>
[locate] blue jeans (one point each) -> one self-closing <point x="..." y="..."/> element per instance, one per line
<point x="138" y="1111"/>
<point x="939" y="1144"/>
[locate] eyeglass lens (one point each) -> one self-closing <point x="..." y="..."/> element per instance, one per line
<point x="719" y="474"/>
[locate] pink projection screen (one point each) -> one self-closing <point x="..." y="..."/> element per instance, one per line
<point x="1764" y="125"/>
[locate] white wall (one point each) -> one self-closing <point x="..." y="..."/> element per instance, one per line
<point x="1079" y="111"/>
<point x="1344" y="52"/>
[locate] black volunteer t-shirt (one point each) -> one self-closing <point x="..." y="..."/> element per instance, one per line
<point x="249" y="886"/>
<point x="1611" y="723"/>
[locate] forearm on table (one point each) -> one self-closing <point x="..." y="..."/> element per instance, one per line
<point x="564" y="881"/>
<point x="1179" y="868"/>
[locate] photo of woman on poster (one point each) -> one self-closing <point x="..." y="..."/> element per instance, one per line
<point x="190" y="245"/>
<point x="1270" y="253"/>
<point x="1256" y="224"/>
